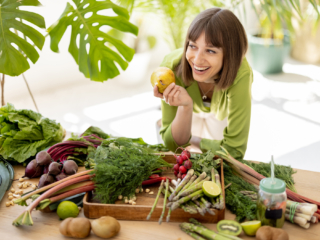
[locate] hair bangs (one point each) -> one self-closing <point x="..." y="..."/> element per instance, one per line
<point x="195" y="31"/>
<point x="213" y="34"/>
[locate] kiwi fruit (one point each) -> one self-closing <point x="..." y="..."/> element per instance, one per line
<point x="229" y="227"/>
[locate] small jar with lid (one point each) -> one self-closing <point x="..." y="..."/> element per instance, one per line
<point x="272" y="201"/>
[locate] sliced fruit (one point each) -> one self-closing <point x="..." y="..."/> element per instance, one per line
<point x="229" y="227"/>
<point x="211" y="189"/>
<point x="251" y="227"/>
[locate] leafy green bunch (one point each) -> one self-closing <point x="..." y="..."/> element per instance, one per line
<point x="121" y="166"/>
<point x="204" y="162"/>
<point x="25" y="132"/>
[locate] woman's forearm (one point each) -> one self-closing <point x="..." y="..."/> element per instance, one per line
<point x="181" y="125"/>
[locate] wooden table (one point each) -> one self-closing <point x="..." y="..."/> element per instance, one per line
<point x="46" y="225"/>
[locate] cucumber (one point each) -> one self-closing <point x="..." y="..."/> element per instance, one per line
<point x="11" y="172"/>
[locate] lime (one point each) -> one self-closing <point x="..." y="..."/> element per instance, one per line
<point x="211" y="189"/>
<point x="67" y="209"/>
<point x="251" y="227"/>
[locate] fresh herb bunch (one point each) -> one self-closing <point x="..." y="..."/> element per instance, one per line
<point x="120" y="167"/>
<point x="242" y="206"/>
<point x="282" y="172"/>
<point x="203" y="162"/>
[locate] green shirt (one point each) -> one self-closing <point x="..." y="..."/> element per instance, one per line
<point x="233" y="103"/>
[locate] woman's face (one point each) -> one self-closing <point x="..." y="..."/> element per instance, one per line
<point x="205" y="60"/>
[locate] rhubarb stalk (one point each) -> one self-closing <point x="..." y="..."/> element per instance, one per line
<point x="22" y="201"/>
<point x="26" y="219"/>
<point x="46" y="202"/>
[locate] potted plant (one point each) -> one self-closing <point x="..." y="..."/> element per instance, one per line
<point x="306" y="45"/>
<point x="88" y="44"/>
<point x="272" y="43"/>
<point x="269" y="46"/>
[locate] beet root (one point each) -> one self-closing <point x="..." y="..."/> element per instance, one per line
<point x="55" y="168"/>
<point x="45" y="179"/>
<point x="45" y="169"/>
<point x="33" y="170"/>
<point x="70" y="167"/>
<point x="43" y="158"/>
<point x="61" y="176"/>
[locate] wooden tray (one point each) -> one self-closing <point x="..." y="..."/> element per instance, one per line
<point x="122" y="211"/>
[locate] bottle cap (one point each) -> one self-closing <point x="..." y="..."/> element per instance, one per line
<point x="277" y="186"/>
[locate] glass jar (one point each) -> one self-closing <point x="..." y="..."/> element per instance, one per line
<point x="271" y="203"/>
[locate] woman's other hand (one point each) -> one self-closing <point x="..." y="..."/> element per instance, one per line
<point x="174" y="95"/>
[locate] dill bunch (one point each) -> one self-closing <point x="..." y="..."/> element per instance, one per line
<point x="120" y="167"/>
<point x="240" y="205"/>
<point x="282" y="172"/>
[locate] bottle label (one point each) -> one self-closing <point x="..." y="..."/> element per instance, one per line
<point x="273" y="213"/>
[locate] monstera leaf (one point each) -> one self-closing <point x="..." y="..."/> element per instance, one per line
<point x="12" y="61"/>
<point x="98" y="61"/>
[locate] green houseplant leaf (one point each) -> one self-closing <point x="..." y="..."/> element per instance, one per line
<point x="98" y="63"/>
<point x="12" y="61"/>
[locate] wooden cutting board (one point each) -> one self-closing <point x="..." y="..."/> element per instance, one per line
<point x="122" y="211"/>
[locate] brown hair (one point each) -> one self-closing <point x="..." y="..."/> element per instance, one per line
<point x="223" y="30"/>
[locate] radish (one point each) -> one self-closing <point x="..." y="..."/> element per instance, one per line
<point x="183" y="176"/>
<point x="33" y="170"/>
<point x="186" y="154"/>
<point x="179" y="175"/>
<point x="184" y="157"/>
<point x="182" y="169"/>
<point x="179" y="160"/>
<point x="176" y="167"/>
<point x="176" y="173"/>
<point x="43" y="158"/>
<point x="187" y="164"/>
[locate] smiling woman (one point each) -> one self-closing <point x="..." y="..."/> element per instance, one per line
<point x="210" y="103"/>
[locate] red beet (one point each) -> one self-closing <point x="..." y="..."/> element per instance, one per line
<point x="61" y="176"/>
<point x="55" y="168"/>
<point x="183" y="176"/>
<point x="176" y="173"/>
<point x="70" y="167"/>
<point x="176" y="167"/>
<point x="182" y="169"/>
<point x="33" y="170"/>
<point x="43" y="158"/>
<point x="45" y="169"/>
<point x="45" y="179"/>
<point x="179" y="160"/>
<point x="187" y="164"/>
